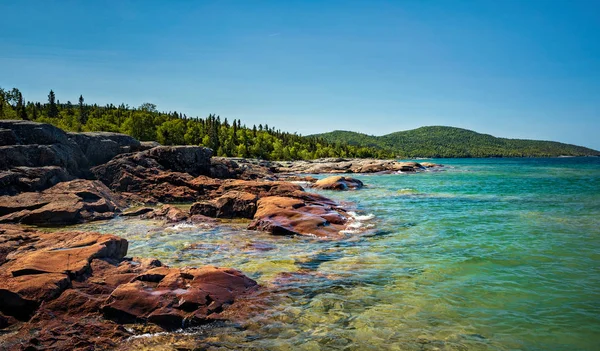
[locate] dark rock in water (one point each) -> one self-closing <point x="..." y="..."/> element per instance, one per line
<point x="68" y="202"/>
<point x="71" y="290"/>
<point x="338" y="183"/>
<point x="101" y="147"/>
<point x="137" y="211"/>
<point x="204" y="208"/>
<point x="233" y="204"/>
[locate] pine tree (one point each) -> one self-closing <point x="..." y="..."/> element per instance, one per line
<point x="82" y="116"/>
<point x="52" y="109"/>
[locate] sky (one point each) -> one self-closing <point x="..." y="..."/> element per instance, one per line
<point x="520" y="69"/>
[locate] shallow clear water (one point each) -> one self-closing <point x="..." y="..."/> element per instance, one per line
<point x="489" y="254"/>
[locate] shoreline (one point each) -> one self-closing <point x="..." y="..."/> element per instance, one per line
<point x="49" y="180"/>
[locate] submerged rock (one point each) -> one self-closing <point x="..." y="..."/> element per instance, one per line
<point x="338" y="183"/>
<point x="175" y="298"/>
<point x="73" y="290"/>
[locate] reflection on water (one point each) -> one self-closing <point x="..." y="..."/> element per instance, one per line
<point x="488" y="255"/>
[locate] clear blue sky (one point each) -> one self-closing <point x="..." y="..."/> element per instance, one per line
<point x="526" y="69"/>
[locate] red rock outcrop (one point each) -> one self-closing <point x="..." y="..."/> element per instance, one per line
<point x="73" y="290"/>
<point x="338" y="183"/>
<point x="293" y="216"/>
<point x="162" y="174"/>
<point x="65" y="203"/>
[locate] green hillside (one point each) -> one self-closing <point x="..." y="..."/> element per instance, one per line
<point x="439" y="141"/>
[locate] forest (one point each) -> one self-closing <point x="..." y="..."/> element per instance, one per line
<point x="146" y="123"/>
<point x="441" y="141"/>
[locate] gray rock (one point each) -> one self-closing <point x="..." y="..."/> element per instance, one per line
<point x="7" y="137"/>
<point x="194" y="160"/>
<point x="20" y="179"/>
<point x="101" y="147"/>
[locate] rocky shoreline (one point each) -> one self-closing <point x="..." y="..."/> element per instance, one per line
<point x="76" y="290"/>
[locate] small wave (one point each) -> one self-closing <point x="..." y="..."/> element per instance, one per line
<point x="358" y="217"/>
<point x="181" y="226"/>
<point x="356" y="223"/>
<point x="408" y="191"/>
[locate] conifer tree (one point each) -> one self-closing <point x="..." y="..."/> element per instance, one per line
<point x="52" y="108"/>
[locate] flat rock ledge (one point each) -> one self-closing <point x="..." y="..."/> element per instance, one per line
<point x="76" y="290"/>
<point x="338" y="166"/>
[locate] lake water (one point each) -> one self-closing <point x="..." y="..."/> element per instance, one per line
<point x="488" y="254"/>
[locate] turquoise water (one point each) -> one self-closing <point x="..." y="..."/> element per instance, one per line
<point x="489" y="254"/>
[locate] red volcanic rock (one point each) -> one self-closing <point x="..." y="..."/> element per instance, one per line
<point x="68" y="202"/>
<point x="338" y="183"/>
<point x="292" y="216"/>
<point x="173" y="298"/>
<point x="71" y="290"/>
<point x="161" y="174"/>
<point x="260" y="188"/>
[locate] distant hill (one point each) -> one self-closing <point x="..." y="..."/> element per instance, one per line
<point x="439" y="141"/>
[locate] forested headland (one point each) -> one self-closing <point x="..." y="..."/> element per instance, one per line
<point x="441" y="141"/>
<point x="235" y="139"/>
<point x="146" y="123"/>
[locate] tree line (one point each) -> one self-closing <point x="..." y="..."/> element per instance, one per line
<point x="146" y="123"/>
<point x="442" y="141"/>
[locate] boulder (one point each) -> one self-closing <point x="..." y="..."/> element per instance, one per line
<point x="338" y="183"/>
<point x="67" y="202"/>
<point x="292" y="216"/>
<point x="232" y="204"/>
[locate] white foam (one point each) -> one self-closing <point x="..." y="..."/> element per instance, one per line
<point x="361" y="218"/>
<point x="181" y="226"/>
<point x="356" y="223"/>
